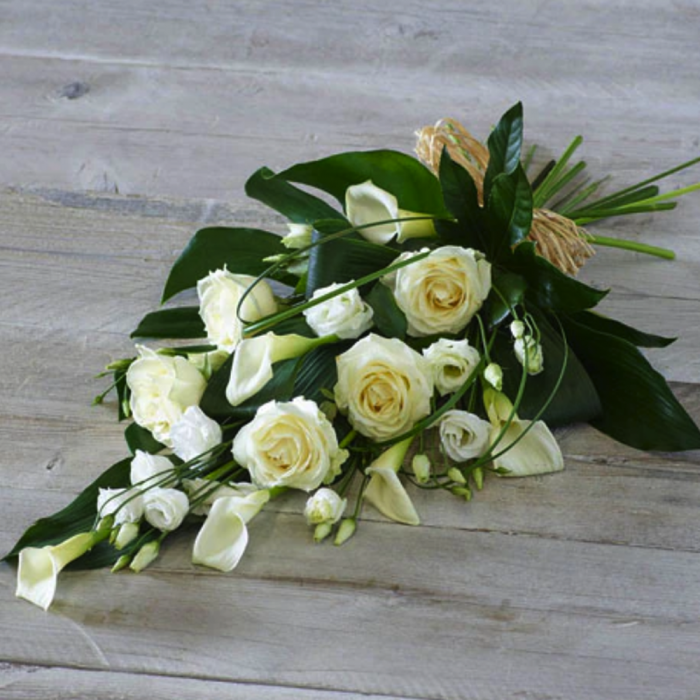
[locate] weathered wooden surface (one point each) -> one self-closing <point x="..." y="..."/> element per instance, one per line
<point x="125" y="127"/>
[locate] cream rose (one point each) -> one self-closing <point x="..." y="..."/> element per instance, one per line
<point x="451" y="361"/>
<point x="384" y="386"/>
<point x="289" y="444"/>
<point x="441" y="292"/>
<point x="463" y="435"/>
<point x="162" y="387"/>
<point x="219" y="295"/>
<point x="345" y="315"/>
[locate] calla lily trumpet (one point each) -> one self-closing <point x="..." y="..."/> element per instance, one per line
<point x="385" y="491"/>
<point x="365" y="203"/>
<point x="533" y="452"/>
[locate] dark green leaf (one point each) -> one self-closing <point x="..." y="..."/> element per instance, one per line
<point x="296" y="325"/>
<point x="388" y="317"/>
<point x="505" y="143"/>
<point x="241" y="249"/>
<point x="297" y="205"/>
<point x="138" y="438"/>
<point x="413" y="185"/>
<point x="123" y="394"/>
<point x="603" y="324"/>
<point x="462" y="199"/>
<point x="183" y="322"/>
<point x="318" y="371"/>
<point x="548" y="287"/>
<point x="509" y="209"/>
<point x="639" y="408"/>
<point x="508" y="290"/>
<point x="575" y="401"/>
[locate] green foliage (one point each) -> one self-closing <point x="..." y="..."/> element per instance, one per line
<point x="388" y="317"/>
<point x="504" y="143"/>
<point x="182" y="322"/>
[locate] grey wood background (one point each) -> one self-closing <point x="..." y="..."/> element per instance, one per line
<point x="124" y="127"/>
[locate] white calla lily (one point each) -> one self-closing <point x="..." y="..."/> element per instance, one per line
<point x="533" y="452"/>
<point x="385" y="491"/>
<point x="365" y="203"/>
<point x="39" y="567"/>
<point x="253" y="360"/>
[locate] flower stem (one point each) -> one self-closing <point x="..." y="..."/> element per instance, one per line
<point x="631" y="245"/>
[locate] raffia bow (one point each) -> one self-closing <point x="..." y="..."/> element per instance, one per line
<point x="559" y="240"/>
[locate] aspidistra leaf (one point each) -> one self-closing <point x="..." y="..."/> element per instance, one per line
<point x="505" y="144"/>
<point x="182" y="322"/>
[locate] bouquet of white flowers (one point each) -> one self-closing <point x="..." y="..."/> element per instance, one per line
<point x="438" y="301"/>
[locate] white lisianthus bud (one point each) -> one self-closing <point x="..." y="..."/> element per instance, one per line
<point x="194" y="434"/>
<point x="421" y="468"/>
<point x="385" y="491"/>
<point x="325" y="506"/>
<point x="289" y="444"/>
<point x="253" y="360"/>
<point x="463" y="435"/>
<point x="299" y="236"/>
<point x="493" y="374"/>
<point x="529" y="354"/>
<point x="536" y="452"/>
<point x="517" y="329"/>
<point x="456" y="476"/>
<point x="321" y="531"/>
<point x="219" y="295"/>
<point x="451" y="361"/>
<point x="346" y="530"/>
<point x="345" y="315"/>
<point x="442" y="292"/>
<point x="127" y="533"/>
<point x="148" y="470"/>
<point x="162" y="387"/>
<point x="126" y="505"/>
<point x="165" y="509"/>
<point x="366" y="203"/>
<point x="145" y="556"/>
<point x="384" y="386"/>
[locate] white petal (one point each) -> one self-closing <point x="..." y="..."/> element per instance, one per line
<point x="386" y="493"/>
<point x="36" y="577"/>
<point x="223" y="538"/>
<point x="536" y="453"/>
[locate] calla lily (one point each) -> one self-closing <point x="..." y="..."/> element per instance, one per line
<point x="365" y="203"/>
<point x="223" y="538"/>
<point x="537" y="452"/>
<point x="254" y="357"/>
<point x="385" y="491"/>
<point x="39" y="566"/>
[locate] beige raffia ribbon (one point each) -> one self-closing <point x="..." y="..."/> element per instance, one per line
<point x="558" y="239"/>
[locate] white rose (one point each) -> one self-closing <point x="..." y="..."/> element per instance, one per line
<point x="345" y="315"/>
<point x="325" y="506"/>
<point x="463" y="435"/>
<point x="289" y="444"/>
<point x="384" y="386"/>
<point x="165" y="509"/>
<point x="194" y="434"/>
<point x="219" y="295"/>
<point x="451" y="362"/>
<point x="442" y="292"/>
<point x="148" y="470"/>
<point x="162" y="387"/>
<point x="126" y="505"/>
<point x="365" y="203"/>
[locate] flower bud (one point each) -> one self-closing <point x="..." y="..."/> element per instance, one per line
<point x="421" y="468"/>
<point x="345" y="531"/>
<point x="462" y="491"/>
<point x="478" y="476"/>
<point x="493" y="374"/>
<point x="145" y="556"/>
<point x="517" y="329"/>
<point x="322" y="531"/>
<point x="126" y="534"/>
<point x="299" y="236"/>
<point x="456" y="475"/>
<point x="529" y="354"/>
<point x="121" y="563"/>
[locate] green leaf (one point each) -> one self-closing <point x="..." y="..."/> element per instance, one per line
<point x="318" y="371"/>
<point x="413" y="185"/>
<point x="297" y="205"/>
<point x="388" y="317"/>
<point x="241" y="249"/>
<point x="575" y="401"/>
<point x="344" y="259"/>
<point x="509" y="210"/>
<point x="548" y="287"/>
<point x="79" y="516"/>
<point x="462" y="199"/>
<point x="639" y="408"/>
<point x="182" y="322"/>
<point x="279" y="388"/>
<point x="603" y="324"/>
<point x="507" y="291"/>
<point x="139" y="438"/>
<point x="505" y="143"/>
<point x="123" y="394"/>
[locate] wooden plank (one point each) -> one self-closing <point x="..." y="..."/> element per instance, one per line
<point x="39" y="683"/>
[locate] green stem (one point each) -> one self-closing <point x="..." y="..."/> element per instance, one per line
<point x="630" y="245"/>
